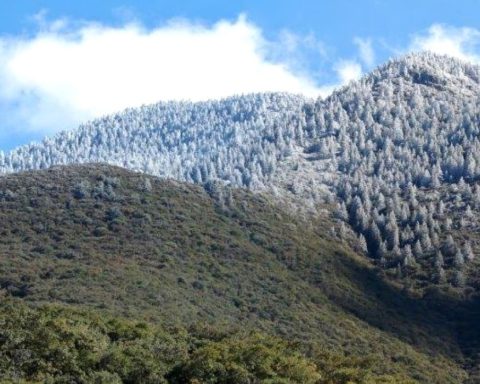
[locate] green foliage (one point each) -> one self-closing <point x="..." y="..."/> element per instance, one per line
<point x="255" y="359"/>
<point x="53" y="344"/>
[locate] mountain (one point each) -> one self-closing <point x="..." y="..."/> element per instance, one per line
<point x="406" y="141"/>
<point x="171" y="254"/>
<point x="392" y="149"/>
<point x="349" y="222"/>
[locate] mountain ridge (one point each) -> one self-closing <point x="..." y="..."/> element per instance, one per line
<point x="384" y="148"/>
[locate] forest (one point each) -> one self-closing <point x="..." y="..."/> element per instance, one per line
<point x="397" y="151"/>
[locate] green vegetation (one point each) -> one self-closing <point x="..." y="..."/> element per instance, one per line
<point x="287" y="301"/>
<point x="53" y="344"/>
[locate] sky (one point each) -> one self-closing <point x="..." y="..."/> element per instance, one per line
<point x="67" y="62"/>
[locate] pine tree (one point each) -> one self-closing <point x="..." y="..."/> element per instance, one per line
<point x="458" y="279"/>
<point x="408" y="259"/>
<point x="363" y="244"/>
<point x="468" y="252"/>
<point x="449" y="248"/>
<point x="458" y="260"/>
<point x="417" y="249"/>
<point x="439" y="261"/>
<point x="439" y="276"/>
<point x="342" y="212"/>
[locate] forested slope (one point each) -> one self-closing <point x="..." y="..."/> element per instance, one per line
<point x="175" y="254"/>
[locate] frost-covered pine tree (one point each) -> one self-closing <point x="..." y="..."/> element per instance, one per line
<point x="362" y="243"/>
<point x="468" y="252"/>
<point x="458" y="260"/>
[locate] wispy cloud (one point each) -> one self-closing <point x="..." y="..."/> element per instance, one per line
<point x="366" y="52"/>
<point x="463" y="43"/>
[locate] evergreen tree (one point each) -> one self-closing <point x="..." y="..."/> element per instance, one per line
<point x="468" y="252"/>
<point x="363" y="244"/>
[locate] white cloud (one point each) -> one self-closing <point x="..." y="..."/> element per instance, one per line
<point x="462" y="43"/>
<point x="365" y="48"/>
<point x="64" y="75"/>
<point x="348" y="70"/>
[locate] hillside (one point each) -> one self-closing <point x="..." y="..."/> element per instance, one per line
<point x="167" y="253"/>
<point x="406" y="141"/>
<point x="238" y="140"/>
<point x="398" y="150"/>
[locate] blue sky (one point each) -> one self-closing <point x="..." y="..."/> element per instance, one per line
<point x="64" y="62"/>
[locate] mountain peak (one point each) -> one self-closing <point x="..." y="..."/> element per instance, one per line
<point x="426" y="72"/>
<point x="430" y="69"/>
